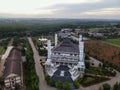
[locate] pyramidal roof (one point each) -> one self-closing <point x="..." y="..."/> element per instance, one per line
<point x="67" y="46"/>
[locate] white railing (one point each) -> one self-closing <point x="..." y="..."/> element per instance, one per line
<point x="70" y="58"/>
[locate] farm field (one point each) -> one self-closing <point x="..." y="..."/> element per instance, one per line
<point x="103" y="51"/>
<point x="113" y="41"/>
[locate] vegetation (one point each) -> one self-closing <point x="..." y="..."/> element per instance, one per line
<point x="77" y="84"/>
<point x="106" y="86"/>
<point x="1" y="50"/>
<point x="42" y="51"/>
<point x="90" y="80"/>
<point x="67" y="86"/>
<point x="3" y="45"/>
<point x="116" y="86"/>
<point x="17" y="41"/>
<point x="17" y="87"/>
<point x="59" y="85"/>
<point x="50" y="81"/>
<point x="100" y="71"/>
<point x="1" y="83"/>
<point x="31" y="80"/>
<point x="113" y="41"/>
<point x="21" y="27"/>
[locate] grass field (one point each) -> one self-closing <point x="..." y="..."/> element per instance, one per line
<point x="113" y="41"/>
<point x="94" y="29"/>
<point x="1" y="50"/>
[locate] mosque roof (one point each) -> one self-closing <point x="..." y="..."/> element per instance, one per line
<point x="67" y="46"/>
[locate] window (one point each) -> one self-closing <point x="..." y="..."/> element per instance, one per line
<point x="80" y="69"/>
<point x="71" y="54"/>
<point x="13" y="82"/>
<point x="75" y="54"/>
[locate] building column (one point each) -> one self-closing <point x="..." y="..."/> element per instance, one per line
<point x="81" y="49"/>
<point x="56" y="39"/>
<point x="48" y="62"/>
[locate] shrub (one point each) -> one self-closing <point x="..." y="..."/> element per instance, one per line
<point x="67" y="86"/>
<point x="106" y="86"/>
<point x="51" y="82"/>
<point x="47" y="78"/>
<point x="116" y="86"/>
<point x="59" y="85"/>
<point x="76" y="83"/>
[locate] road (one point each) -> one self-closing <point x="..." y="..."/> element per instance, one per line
<point x="39" y="69"/>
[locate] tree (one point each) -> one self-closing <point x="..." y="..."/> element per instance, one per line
<point x="100" y="65"/>
<point x="119" y="86"/>
<point x="67" y="86"/>
<point x="116" y="86"/>
<point x="87" y="64"/>
<point x="59" y="85"/>
<point x="1" y="83"/>
<point x="106" y="86"/>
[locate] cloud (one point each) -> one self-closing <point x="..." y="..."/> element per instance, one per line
<point x="106" y="7"/>
<point x="105" y="11"/>
<point x="65" y="9"/>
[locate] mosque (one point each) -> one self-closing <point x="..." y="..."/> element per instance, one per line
<point x="65" y="61"/>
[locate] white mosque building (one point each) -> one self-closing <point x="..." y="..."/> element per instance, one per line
<point x="65" y="61"/>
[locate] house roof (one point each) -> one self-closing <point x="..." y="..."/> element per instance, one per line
<point x="13" y="64"/>
<point x="67" y="46"/>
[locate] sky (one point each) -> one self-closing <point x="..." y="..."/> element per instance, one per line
<point x="99" y="9"/>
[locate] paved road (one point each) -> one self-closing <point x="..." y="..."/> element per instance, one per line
<point x="39" y="70"/>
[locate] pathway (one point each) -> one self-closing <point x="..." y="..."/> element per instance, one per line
<point x="39" y="69"/>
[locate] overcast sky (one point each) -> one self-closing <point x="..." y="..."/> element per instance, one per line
<point x="101" y="9"/>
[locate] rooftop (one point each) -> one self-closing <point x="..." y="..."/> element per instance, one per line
<point x="13" y="64"/>
<point x="67" y="46"/>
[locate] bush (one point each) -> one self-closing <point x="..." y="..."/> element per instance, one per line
<point x="116" y="86"/>
<point x="51" y="82"/>
<point x="106" y="86"/>
<point x="59" y="85"/>
<point x="76" y="83"/>
<point x="87" y="65"/>
<point x="47" y="78"/>
<point x="67" y="86"/>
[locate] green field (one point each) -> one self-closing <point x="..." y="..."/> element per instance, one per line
<point x="113" y="41"/>
<point x="1" y="50"/>
<point x="94" y="29"/>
